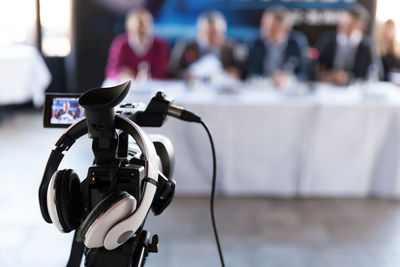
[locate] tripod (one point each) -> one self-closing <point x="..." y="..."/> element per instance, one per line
<point x="133" y="253"/>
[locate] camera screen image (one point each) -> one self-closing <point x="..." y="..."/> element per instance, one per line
<point x="66" y="111"/>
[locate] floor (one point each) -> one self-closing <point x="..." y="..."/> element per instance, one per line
<point x="253" y="231"/>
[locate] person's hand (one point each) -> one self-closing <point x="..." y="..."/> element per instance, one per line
<point x="190" y="78"/>
<point x="279" y="78"/>
<point x="233" y="72"/>
<point x="337" y="77"/>
<point x="125" y="74"/>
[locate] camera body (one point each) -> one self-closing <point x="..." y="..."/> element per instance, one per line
<point x="98" y="183"/>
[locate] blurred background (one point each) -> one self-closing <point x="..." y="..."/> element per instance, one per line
<point x="302" y="98"/>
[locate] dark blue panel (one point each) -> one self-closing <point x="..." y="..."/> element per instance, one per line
<point x="177" y="18"/>
<point x="238" y="11"/>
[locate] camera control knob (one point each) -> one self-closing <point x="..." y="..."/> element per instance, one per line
<point x="153" y="246"/>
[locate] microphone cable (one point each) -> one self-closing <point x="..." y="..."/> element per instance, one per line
<point x="214" y="174"/>
<point x="186" y="115"/>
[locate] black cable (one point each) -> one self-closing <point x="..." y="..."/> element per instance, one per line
<point x="221" y="257"/>
<point x="186" y="115"/>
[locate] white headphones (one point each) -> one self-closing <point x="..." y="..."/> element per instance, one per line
<point x="113" y="220"/>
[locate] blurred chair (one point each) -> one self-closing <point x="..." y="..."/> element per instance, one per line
<point x="24" y="75"/>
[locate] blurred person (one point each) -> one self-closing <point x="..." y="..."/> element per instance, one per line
<point x="211" y="42"/>
<point x="348" y="52"/>
<point x="79" y="112"/>
<point x="65" y="113"/>
<point x="65" y="110"/>
<point x="280" y="51"/>
<point x="389" y="48"/>
<point x="138" y="53"/>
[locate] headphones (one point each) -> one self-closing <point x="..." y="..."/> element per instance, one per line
<point x="114" y="219"/>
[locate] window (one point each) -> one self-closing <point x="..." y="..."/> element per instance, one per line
<point x="55" y="17"/>
<point x="17" y="22"/>
<point x="388" y="9"/>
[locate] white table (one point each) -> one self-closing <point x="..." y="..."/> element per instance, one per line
<point x="335" y="142"/>
<point x="23" y="75"/>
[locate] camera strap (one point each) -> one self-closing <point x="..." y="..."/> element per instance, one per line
<point x="113" y="179"/>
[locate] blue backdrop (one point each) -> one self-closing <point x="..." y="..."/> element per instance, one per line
<point x="176" y="18"/>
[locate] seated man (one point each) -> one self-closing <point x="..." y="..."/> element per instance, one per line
<point x="346" y="53"/>
<point x="279" y="51"/>
<point x="65" y="111"/>
<point x="138" y="53"/>
<point x="211" y="46"/>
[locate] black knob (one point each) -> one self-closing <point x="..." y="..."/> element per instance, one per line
<point x="153" y="247"/>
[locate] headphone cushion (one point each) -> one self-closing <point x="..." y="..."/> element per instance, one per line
<point x="68" y="200"/>
<point x="51" y="201"/>
<point x="108" y="212"/>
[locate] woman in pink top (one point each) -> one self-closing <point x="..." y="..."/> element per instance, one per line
<point x="138" y="53"/>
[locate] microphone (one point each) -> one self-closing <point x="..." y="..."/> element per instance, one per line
<point x="183" y="114"/>
<point x="162" y="106"/>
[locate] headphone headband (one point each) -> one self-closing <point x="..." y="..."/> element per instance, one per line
<point x="144" y="143"/>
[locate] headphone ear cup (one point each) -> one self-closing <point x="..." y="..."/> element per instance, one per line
<point x="107" y="213"/>
<point x="51" y="200"/>
<point x="68" y="200"/>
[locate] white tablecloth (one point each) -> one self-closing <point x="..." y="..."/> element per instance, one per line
<point x="334" y="142"/>
<point x="23" y="75"/>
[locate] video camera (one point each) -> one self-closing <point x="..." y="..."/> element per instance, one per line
<point x="108" y="208"/>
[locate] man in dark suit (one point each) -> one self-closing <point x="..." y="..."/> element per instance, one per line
<point x="65" y="112"/>
<point x="211" y="29"/>
<point x="347" y="53"/>
<point x="279" y="51"/>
